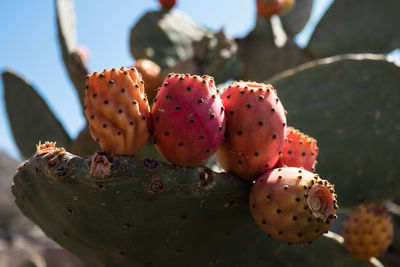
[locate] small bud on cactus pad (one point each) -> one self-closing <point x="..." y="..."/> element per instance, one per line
<point x="292" y="204"/>
<point x="255" y="131"/>
<point x="299" y="150"/>
<point x="268" y="8"/>
<point x="117" y="110"/>
<point x="188" y="119"/>
<point x="151" y="74"/>
<point x="167" y="4"/>
<point x="368" y="231"/>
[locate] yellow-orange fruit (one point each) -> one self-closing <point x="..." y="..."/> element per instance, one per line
<point x="117" y="110"/>
<point x="368" y="231"/>
<point x="151" y="74"/>
<point x="292" y="204"/>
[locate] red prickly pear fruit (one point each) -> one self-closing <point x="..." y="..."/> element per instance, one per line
<point x="299" y="150"/>
<point x="167" y="4"/>
<point x="188" y="119"/>
<point x="292" y="204"/>
<point x="368" y="231"/>
<point x="255" y="129"/>
<point x="268" y="8"/>
<point x="151" y="74"/>
<point x="117" y="110"/>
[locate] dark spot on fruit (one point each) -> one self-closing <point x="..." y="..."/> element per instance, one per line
<point x="168" y="97"/>
<point x="256" y="154"/>
<point x="231" y="112"/>
<point x="266" y="165"/>
<point x="317" y="230"/>
<point x="220" y="128"/>
<point x="123" y="90"/>
<point x="134" y="102"/>
<point x="242" y="92"/>
<point x="180" y="144"/>
<point x="263" y="221"/>
<point x="253" y="206"/>
<point x="165" y="84"/>
<point x="286" y="187"/>
<point x="87" y="86"/>
<point x="213" y="96"/>
<point x="278" y="211"/>
<point x="188" y="88"/>
<point x="191" y="121"/>
<point x="297" y="199"/>
<point x="201" y="136"/>
<point x="239" y="133"/>
<point x="166" y="133"/>
<point x="299" y="235"/>
<point x="228" y="96"/>
<point x="274" y="136"/>
<point x="289" y="152"/>
<point x="120" y="111"/>
<point x="248" y="106"/>
<point x="181" y="78"/>
<point x="309" y="219"/>
<point x="294" y="218"/>
<point x="157" y="118"/>
<point x="280" y="232"/>
<point x="92" y="117"/>
<point x="212" y="116"/>
<point x="200" y="100"/>
<point x="155" y="100"/>
<point x="111" y="82"/>
<point x="279" y="177"/>
<point x="303" y="154"/>
<point x="177" y="107"/>
<point x="104" y="125"/>
<point x="118" y="133"/>
<point x="273" y="110"/>
<point x="94" y="95"/>
<point x="207" y="150"/>
<point x="268" y="196"/>
<point x="239" y="162"/>
<point x="143" y="117"/>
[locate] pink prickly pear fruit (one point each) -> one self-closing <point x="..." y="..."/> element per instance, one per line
<point x="268" y="8"/>
<point x="167" y="4"/>
<point x="299" y="150"/>
<point x="255" y="129"/>
<point x="292" y="204"/>
<point x="188" y="119"/>
<point x="368" y="231"/>
<point x="117" y="110"/>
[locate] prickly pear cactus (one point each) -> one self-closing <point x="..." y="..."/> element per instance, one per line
<point x="120" y="211"/>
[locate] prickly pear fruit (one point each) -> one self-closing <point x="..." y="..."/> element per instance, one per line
<point x="268" y="8"/>
<point x="299" y="150"/>
<point x="151" y="74"/>
<point x="292" y="204"/>
<point x="255" y="131"/>
<point x="188" y="119"/>
<point x="117" y="110"/>
<point x="368" y="231"/>
<point x="167" y="4"/>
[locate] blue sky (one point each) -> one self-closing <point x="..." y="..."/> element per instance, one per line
<point x="29" y="44"/>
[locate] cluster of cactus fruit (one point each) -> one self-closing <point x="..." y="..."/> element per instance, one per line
<point x="246" y="127"/>
<point x="169" y="101"/>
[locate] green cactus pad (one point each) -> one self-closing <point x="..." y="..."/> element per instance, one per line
<point x="295" y="20"/>
<point x="73" y="61"/>
<point x="350" y="105"/>
<point x="30" y="118"/>
<point x="147" y="213"/>
<point x="357" y="26"/>
<point x="165" y="37"/>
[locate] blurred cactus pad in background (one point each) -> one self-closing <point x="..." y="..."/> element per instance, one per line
<point x="342" y="88"/>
